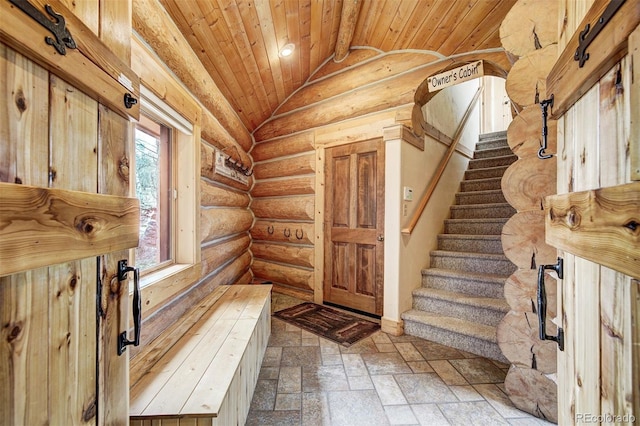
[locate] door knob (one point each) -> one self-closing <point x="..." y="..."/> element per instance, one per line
<point x="380" y="238"/>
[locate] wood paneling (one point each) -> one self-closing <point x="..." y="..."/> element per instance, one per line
<point x="289" y="254"/>
<point x="288" y="166"/>
<point x="523" y="240"/>
<point x="282" y="187"/>
<point x="246" y="36"/>
<point x="527" y="181"/>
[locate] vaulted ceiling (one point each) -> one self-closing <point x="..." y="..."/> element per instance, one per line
<point x="238" y="41"/>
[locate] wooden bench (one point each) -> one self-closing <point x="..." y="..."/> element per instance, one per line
<point x="203" y="369"/>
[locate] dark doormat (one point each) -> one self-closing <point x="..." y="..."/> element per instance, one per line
<point x="329" y="323"/>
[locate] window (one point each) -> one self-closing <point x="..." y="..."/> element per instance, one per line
<point x="155" y="189"/>
<point x="167" y="165"/>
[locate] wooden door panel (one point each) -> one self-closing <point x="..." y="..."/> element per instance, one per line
<point x="365" y="269"/>
<point x="341" y="200"/>
<point x="340" y="262"/>
<point x="353" y="223"/>
<point x="367" y="190"/>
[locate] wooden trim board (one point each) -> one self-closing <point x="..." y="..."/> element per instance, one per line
<point x="92" y="67"/>
<point x="601" y="225"/>
<point x="42" y="226"/>
<point x="567" y="82"/>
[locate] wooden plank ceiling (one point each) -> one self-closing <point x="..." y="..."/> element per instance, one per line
<point x="238" y="41"/>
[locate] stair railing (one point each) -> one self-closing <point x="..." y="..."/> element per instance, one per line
<point x="437" y="174"/>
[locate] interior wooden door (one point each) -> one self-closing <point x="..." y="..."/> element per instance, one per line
<point x="354" y="226"/>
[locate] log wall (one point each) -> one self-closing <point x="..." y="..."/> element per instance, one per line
<point x="529" y="382"/>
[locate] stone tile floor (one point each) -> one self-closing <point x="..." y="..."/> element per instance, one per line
<point x="381" y="380"/>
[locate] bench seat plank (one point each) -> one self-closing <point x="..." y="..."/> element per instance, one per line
<point x="211" y="370"/>
<point x="150" y="354"/>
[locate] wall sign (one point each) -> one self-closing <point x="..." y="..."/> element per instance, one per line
<point x="455" y="76"/>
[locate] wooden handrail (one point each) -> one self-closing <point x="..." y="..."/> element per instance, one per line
<point x="442" y="166"/>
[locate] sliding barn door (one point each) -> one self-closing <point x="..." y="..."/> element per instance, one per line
<point x="354" y="226"/>
<point x="593" y="221"/>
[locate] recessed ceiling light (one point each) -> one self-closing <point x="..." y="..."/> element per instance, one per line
<point x="287" y="50"/>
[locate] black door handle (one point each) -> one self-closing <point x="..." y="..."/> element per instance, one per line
<point x="542" y="304"/>
<point x="123" y="341"/>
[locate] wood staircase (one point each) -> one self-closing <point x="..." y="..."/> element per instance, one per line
<point x="461" y="300"/>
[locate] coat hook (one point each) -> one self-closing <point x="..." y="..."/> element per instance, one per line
<point x="544" y="104"/>
<point x="270" y="229"/>
<point x="236" y="164"/>
<point x="287" y="232"/>
<point x="301" y="234"/>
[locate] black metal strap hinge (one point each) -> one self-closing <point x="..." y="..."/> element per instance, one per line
<point x="589" y="34"/>
<point x="57" y="28"/>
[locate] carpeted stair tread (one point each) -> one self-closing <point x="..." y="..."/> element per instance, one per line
<point x="486" y="172"/>
<point x="463" y="299"/>
<point x="493" y="143"/>
<point x="500" y="135"/>
<point x="468" y="336"/>
<point x="471" y="283"/>
<point x="471" y="236"/>
<point x="492" y="152"/>
<point x="469" y="255"/>
<point x="472" y="262"/>
<point x="483" y="163"/>
<point x="481" y="184"/>
<point x="478" y="211"/>
<point x="471" y="276"/>
<point x="471" y="242"/>
<point x="487" y="196"/>
<point x="481" y="331"/>
<point x="478" y="226"/>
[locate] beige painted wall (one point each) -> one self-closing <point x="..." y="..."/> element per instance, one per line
<point x="406" y="256"/>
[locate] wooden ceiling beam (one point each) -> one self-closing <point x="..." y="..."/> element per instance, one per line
<point x="348" y="20"/>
